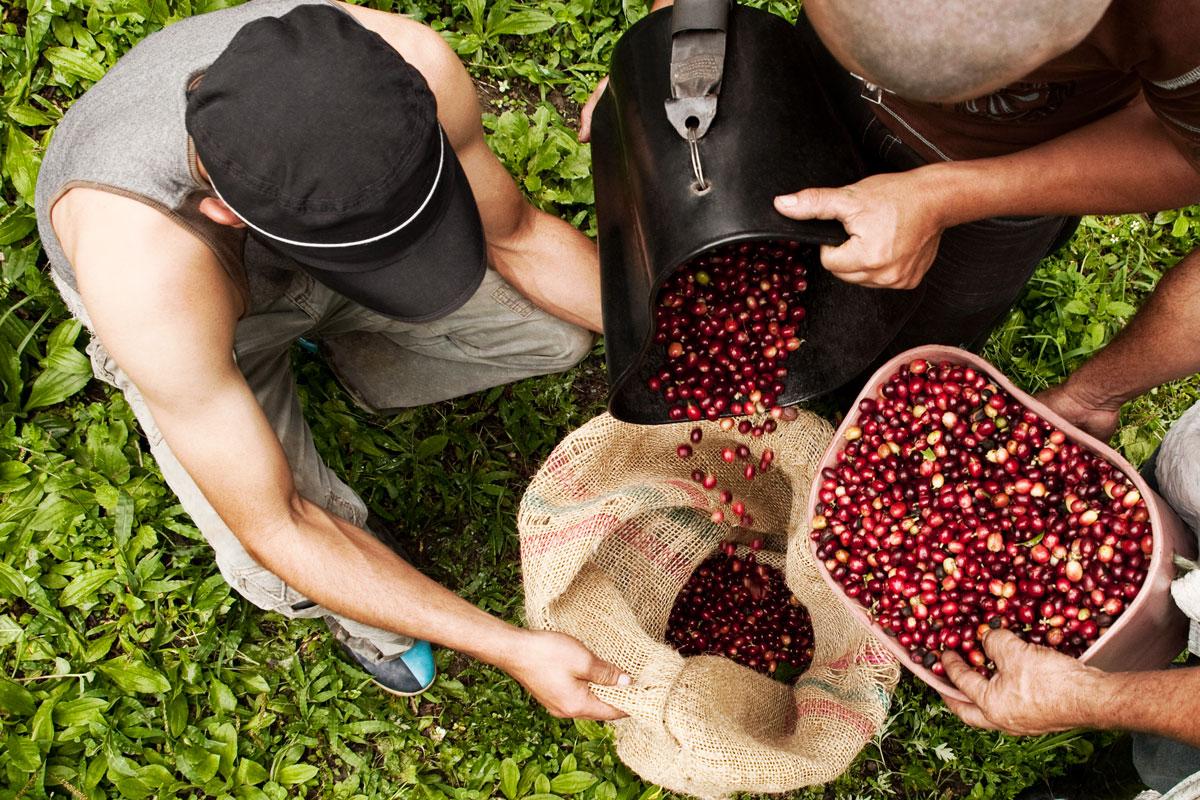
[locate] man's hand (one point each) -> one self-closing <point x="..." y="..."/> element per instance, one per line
<point x="585" y="116"/>
<point x="556" y="669"/>
<point x="894" y="222"/>
<point x="1034" y="690"/>
<point x="1097" y="417"/>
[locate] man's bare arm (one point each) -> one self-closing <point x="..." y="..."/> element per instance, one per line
<point x="1037" y="690"/>
<point x="1158" y="345"/>
<point x="1124" y="162"/>
<point x="157" y="299"/>
<point x="550" y="262"/>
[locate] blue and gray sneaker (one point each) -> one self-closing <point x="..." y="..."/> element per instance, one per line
<point x="406" y="675"/>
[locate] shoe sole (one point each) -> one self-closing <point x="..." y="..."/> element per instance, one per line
<point x="398" y="693"/>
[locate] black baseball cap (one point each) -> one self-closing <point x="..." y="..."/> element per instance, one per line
<point x="326" y="143"/>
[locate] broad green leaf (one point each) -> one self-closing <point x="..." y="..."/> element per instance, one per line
<point x="523" y="23"/>
<point x="1077" y="307"/>
<point x="62" y="31"/>
<point x="475" y="12"/>
<point x="590" y="729"/>
<point x="133" y="787"/>
<point x="210" y="593"/>
<point x="296" y="773"/>
<point x="98" y="648"/>
<point x="257" y="683"/>
<point x="11" y="470"/>
<point x="74" y="63"/>
<point x="197" y="764"/>
<point x="10" y="631"/>
<point x="80" y="711"/>
<point x="83" y="588"/>
<point x="221" y="696"/>
<point x="510" y="777"/>
<point x="135" y="676"/>
<point x="63" y="338"/>
<point x="177" y="714"/>
<point x="54" y="512"/>
<point x="66" y="369"/>
<point x="542" y="796"/>
<point x="41" y="725"/>
<point x="545" y="158"/>
<point x="156" y="775"/>
<point x="15" y="698"/>
<point x="123" y="524"/>
<point x="12" y="583"/>
<point x="531" y="773"/>
<point x="10" y="371"/>
<point x="104" y="443"/>
<point x="23" y="754"/>
<point x="54" y="386"/>
<point x="28" y="116"/>
<point x="629" y="791"/>
<point x="572" y="782"/>
<point x="250" y="772"/>
<point x="16" y="225"/>
<point x="431" y="446"/>
<point x="21" y="163"/>
<point x="1119" y="308"/>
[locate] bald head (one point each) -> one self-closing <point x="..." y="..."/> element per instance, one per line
<point x="949" y="50"/>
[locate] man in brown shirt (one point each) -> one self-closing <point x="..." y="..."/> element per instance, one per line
<point x="989" y="128"/>
<point x="972" y="113"/>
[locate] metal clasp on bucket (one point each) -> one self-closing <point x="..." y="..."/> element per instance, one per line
<point x="697" y="66"/>
<point x="701" y="183"/>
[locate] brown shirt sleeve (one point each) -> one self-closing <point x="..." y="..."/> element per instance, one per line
<point x="1170" y="73"/>
<point x="1178" y="107"/>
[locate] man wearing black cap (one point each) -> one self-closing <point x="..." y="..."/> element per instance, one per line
<point x="293" y="168"/>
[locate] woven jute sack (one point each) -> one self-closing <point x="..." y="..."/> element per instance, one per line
<point x="611" y="529"/>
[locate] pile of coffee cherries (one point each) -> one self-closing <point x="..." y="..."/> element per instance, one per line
<point x="727" y="320"/>
<point x="735" y="607"/>
<point x="953" y="508"/>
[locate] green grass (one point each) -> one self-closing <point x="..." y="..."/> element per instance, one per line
<point x="127" y="668"/>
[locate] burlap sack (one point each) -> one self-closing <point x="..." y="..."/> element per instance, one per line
<point x="612" y="527"/>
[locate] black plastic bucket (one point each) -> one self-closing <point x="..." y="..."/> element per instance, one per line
<point x="773" y="133"/>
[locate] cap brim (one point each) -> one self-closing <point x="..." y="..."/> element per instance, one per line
<point x="424" y="279"/>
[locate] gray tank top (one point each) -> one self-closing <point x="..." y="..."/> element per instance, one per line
<point x="126" y="134"/>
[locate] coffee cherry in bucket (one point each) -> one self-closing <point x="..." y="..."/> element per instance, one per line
<point x="727" y="321"/>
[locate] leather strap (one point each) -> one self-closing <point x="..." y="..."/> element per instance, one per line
<point x="698" y="29"/>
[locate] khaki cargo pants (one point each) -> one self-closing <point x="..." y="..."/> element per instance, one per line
<point x="498" y="337"/>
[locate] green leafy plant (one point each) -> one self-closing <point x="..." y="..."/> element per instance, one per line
<point x="129" y="669"/>
<point x="487" y="25"/>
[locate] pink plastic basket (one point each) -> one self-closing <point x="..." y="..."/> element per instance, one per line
<point x="1150" y="633"/>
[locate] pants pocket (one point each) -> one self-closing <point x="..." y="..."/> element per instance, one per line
<point x="267" y="590"/>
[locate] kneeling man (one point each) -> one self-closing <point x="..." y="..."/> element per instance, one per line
<point x="292" y="168"/>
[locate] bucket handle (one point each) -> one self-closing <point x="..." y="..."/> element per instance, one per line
<point x="698" y="30"/>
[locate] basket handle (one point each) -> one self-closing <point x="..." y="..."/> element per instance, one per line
<point x="698" y="30"/>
